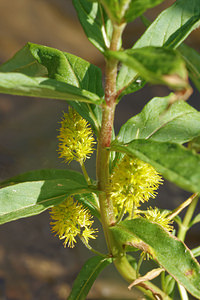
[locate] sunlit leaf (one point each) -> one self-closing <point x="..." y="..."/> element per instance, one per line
<point x="159" y="121"/>
<point x="176" y="163"/>
<point x="31" y="198"/>
<point x="166" y="249"/>
<point x="95" y="23"/>
<point x="156" y="65"/>
<point x="169" y="29"/>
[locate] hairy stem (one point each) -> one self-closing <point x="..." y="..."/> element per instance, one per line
<point x="103" y="166"/>
<point x="105" y="138"/>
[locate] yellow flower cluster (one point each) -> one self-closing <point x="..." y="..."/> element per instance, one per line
<point x="76" y="139"/>
<point x="71" y="219"/>
<point x="154" y="215"/>
<point x="132" y="182"/>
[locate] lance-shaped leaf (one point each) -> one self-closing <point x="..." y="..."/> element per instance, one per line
<point x="176" y="163"/>
<point x="156" y="65"/>
<point x="124" y="11"/>
<point x="192" y="60"/>
<point x="166" y="249"/>
<point x="55" y="74"/>
<point x="31" y="198"/>
<point x="88" y="200"/>
<point x="95" y="23"/>
<point x="177" y="123"/>
<point x="23" y="85"/>
<point x="45" y="174"/>
<point x="87" y="276"/>
<point x="169" y="29"/>
<point x="41" y="61"/>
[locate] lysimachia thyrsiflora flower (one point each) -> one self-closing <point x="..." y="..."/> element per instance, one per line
<point x="132" y="182"/>
<point x="76" y="139"/>
<point x="69" y="220"/>
<point x="161" y="218"/>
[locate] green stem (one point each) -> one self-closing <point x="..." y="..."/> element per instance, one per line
<point x="102" y="167"/>
<point x="183" y="228"/>
<point x="90" y="248"/>
<point x="139" y="264"/>
<point x="103" y="155"/>
<point x="87" y="178"/>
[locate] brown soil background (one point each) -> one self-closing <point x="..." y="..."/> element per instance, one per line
<point x="33" y="263"/>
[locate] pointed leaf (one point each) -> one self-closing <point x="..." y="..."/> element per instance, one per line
<point x="20" y="84"/>
<point x="156" y="65"/>
<point x="167" y="250"/>
<point x="169" y="29"/>
<point x="124" y="11"/>
<point x="192" y="60"/>
<point x="41" y="61"/>
<point x="177" y="123"/>
<point x="46" y="174"/>
<point x="88" y="200"/>
<point x="176" y="163"/>
<point x="95" y="23"/>
<point x="77" y="77"/>
<point x="31" y="198"/>
<point x="87" y="276"/>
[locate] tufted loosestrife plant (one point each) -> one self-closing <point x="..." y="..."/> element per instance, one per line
<point x="161" y="142"/>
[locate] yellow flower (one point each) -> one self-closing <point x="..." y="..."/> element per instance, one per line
<point x="76" y="139"/>
<point x="132" y="182"/>
<point x="70" y="219"/>
<point x="154" y="215"/>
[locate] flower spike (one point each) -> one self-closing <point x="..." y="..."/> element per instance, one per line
<point x="76" y="139"/>
<point x="161" y="218"/>
<point x="131" y="183"/>
<point x="71" y="219"/>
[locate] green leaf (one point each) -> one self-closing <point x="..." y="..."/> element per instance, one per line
<point x="167" y="250"/>
<point x="156" y="65"/>
<point x="176" y="163"/>
<point x="88" y="200"/>
<point x="169" y="29"/>
<point x="65" y="76"/>
<point x="95" y="23"/>
<point x="20" y="84"/>
<point x="177" y="123"/>
<point x="192" y="60"/>
<point x="31" y="198"/>
<point x="41" y="61"/>
<point x="46" y="174"/>
<point x="123" y="11"/>
<point x="87" y="276"/>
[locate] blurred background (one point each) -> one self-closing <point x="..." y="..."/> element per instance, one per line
<point x="34" y="265"/>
